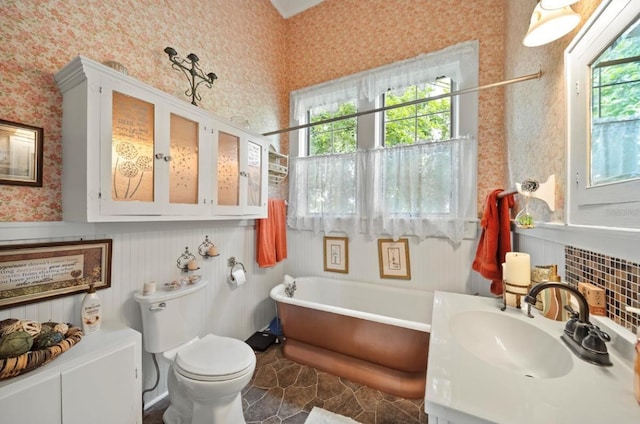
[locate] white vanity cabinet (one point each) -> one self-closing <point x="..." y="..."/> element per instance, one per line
<point x="97" y="381"/>
<point x="241" y="180"/>
<point x="131" y="152"/>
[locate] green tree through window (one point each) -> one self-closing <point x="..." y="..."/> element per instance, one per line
<point x="428" y="121"/>
<point x="615" y="111"/>
<point x="334" y="137"/>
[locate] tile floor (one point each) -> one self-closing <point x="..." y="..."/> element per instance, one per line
<point x="284" y="392"/>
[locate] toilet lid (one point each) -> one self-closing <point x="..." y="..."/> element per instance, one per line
<point x="215" y="358"/>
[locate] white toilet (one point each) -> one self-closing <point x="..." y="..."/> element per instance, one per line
<point x="207" y="373"/>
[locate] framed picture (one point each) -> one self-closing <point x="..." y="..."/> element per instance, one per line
<point x="336" y="254"/>
<point x="393" y="257"/>
<point x="20" y="154"/>
<point x="35" y="272"/>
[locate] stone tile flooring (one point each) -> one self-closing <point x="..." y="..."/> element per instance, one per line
<point x="284" y="392"/>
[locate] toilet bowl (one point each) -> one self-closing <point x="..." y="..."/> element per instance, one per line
<point x="206" y="374"/>
<point x="206" y="378"/>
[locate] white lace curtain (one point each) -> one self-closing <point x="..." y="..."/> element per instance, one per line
<point x="451" y="61"/>
<point x="422" y="189"/>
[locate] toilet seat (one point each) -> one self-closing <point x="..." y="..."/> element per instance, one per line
<point x="215" y="358"/>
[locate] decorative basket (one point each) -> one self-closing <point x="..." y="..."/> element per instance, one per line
<point x="29" y="361"/>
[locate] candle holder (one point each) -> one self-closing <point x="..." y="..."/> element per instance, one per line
<point x="208" y="249"/>
<point x="518" y="290"/>
<point x="190" y="68"/>
<point x="187" y="262"/>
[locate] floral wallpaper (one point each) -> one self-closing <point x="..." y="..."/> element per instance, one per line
<point x="259" y="57"/>
<point x="535" y="121"/>
<point x="242" y="41"/>
<point x="341" y="37"/>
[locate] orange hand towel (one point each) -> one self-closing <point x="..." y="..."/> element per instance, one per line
<point x="495" y="240"/>
<point x="271" y="235"/>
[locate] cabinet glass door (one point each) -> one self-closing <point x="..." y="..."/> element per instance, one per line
<point x="254" y="174"/>
<point x="183" y="163"/>
<point x="132" y="149"/>
<point x="228" y="169"/>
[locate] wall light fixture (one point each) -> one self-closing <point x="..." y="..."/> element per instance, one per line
<point x="548" y="25"/>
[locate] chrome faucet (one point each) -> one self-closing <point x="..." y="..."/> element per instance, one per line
<point x="290" y="289"/>
<point x="584" y="339"/>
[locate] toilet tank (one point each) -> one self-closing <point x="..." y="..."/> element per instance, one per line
<point x="171" y="318"/>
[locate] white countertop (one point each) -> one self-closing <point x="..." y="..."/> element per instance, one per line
<point x="462" y="388"/>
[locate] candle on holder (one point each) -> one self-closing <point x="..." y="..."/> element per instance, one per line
<point x="212" y="251"/>
<point x="149" y="288"/>
<point x="192" y="265"/>
<point x="518" y="271"/>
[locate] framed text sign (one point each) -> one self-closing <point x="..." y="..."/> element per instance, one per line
<point x="36" y="272"/>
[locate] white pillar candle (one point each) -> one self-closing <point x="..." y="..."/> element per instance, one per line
<point x="518" y="271"/>
<point x="149" y="288"/>
<point x="510" y="299"/>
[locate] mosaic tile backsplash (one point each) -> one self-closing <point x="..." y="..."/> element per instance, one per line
<point x="619" y="278"/>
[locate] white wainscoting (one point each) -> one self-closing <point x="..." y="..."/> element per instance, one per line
<point x="435" y="263"/>
<point x="148" y="252"/>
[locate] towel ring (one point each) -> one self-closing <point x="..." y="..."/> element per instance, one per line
<point x="233" y="264"/>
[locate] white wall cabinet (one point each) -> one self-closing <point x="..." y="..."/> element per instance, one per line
<point x="152" y="153"/>
<point x="242" y="164"/>
<point x="134" y="153"/>
<point x="97" y="381"/>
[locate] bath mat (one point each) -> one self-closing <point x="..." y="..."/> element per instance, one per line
<point x="322" y="416"/>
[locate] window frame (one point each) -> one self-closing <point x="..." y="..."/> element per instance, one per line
<point x="613" y="204"/>
<point x="459" y="62"/>
<point x="453" y="133"/>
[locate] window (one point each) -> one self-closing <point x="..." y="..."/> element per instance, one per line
<point x="430" y="121"/>
<point x="333" y="137"/>
<point x="421" y="183"/>
<point x="604" y="149"/>
<point x="615" y="111"/>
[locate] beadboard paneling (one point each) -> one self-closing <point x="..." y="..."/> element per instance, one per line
<point x="435" y="263"/>
<point x="148" y="252"/>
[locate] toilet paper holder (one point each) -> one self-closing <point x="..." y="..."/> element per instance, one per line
<point x="233" y="264"/>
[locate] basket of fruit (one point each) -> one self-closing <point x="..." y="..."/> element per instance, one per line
<point x="26" y="345"/>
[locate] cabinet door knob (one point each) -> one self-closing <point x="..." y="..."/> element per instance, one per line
<point x="159" y="155"/>
<point x="243" y="174"/>
<point x="167" y="158"/>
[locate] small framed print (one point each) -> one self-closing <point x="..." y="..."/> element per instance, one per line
<point x="20" y="154"/>
<point x="336" y="254"/>
<point x="393" y="257"/>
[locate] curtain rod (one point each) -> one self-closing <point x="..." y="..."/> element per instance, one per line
<point x="537" y="75"/>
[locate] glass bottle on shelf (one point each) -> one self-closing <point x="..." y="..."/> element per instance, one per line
<point x="524" y="219"/>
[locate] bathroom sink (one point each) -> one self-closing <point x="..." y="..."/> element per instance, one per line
<point x="511" y="344"/>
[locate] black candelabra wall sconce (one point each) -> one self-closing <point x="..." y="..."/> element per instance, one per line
<point x="190" y="68"/>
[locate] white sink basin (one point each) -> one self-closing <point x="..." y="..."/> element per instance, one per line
<point x="511" y="344"/>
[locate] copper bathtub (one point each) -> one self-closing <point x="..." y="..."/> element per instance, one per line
<point x="365" y="332"/>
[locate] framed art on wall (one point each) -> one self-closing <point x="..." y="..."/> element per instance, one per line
<point x="336" y="254"/>
<point x="20" y="154"/>
<point x="35" y="272"/>
<point x="393" y="257"/>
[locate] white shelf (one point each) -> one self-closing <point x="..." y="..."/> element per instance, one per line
<point x="278" y="166"/>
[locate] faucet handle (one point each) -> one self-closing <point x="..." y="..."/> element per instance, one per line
<point x="600" y="334"/>
<point x="571" y="311"/>
<point x="595" y="340"/>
